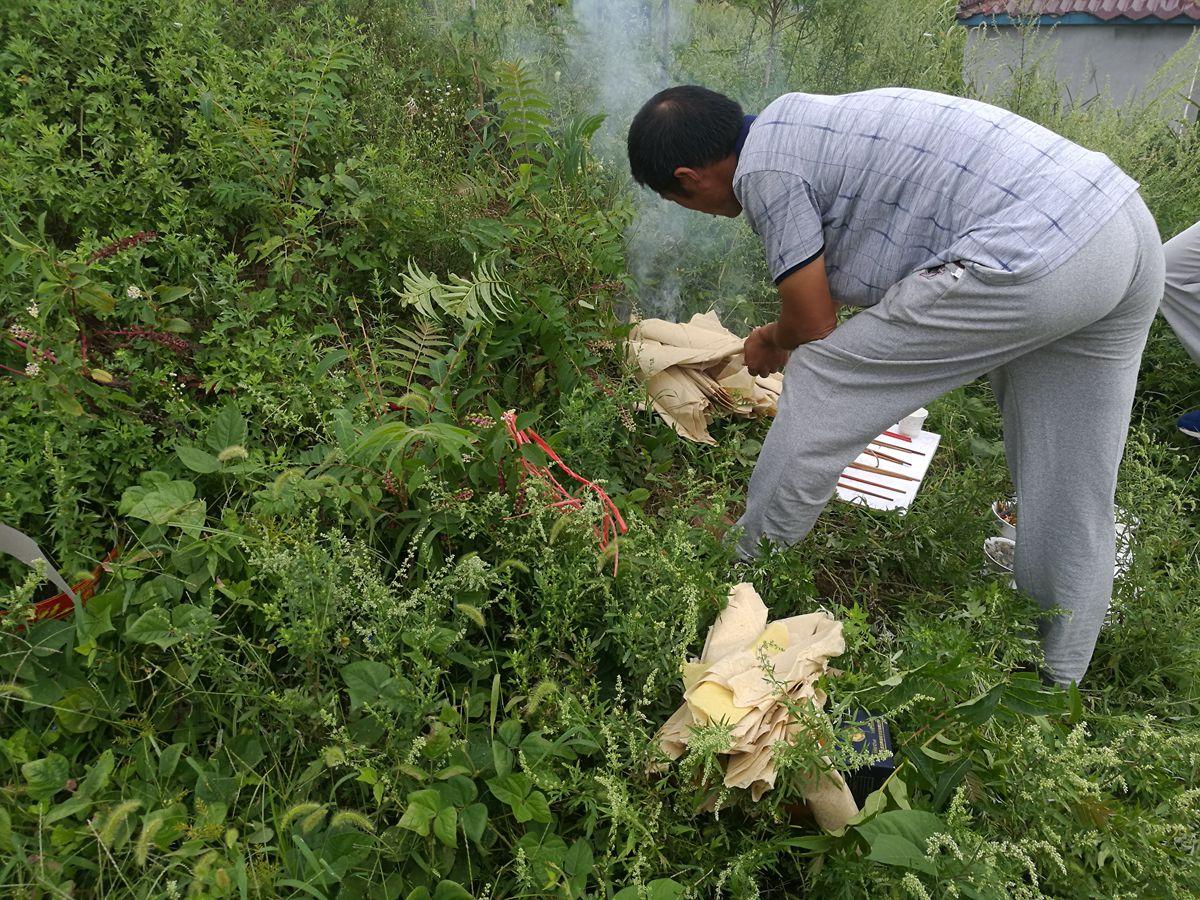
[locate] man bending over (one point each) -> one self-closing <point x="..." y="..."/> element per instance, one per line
<point x="979" y="242"/>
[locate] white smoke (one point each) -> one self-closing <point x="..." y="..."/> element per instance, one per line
<point x="626" y="50"/>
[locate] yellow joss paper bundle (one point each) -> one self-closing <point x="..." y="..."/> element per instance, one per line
<point x="728" y="684"/>
<point x="696" y="369"/>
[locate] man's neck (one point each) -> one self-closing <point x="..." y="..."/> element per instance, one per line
<point x="747" y="121"/>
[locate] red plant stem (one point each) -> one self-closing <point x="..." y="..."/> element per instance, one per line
<point x="45" y="354"/>
<point x="14" y="371"/>
<point x="585" y="482"/>
<point x="611" y="523"/>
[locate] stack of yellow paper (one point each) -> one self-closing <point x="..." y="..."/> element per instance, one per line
<point x="695" y="369"/>
<point x="728" y="683"/>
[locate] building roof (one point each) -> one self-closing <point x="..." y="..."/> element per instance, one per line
<point x="1083" y="11"/>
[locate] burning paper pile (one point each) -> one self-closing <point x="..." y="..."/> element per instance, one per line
<point x="695" y="369"/>
<point x="728" y="684"/>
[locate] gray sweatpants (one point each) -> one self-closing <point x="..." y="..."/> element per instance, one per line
<point x="1181" y="295"/>
<point x="1063" y="352"/>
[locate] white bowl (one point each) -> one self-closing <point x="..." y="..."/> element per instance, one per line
<point x="1000" y="553"/>
<point x="1005" y="528"/>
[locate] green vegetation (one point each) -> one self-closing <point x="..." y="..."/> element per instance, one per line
<point x="344" y="649"/>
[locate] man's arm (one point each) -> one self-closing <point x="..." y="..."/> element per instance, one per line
<point x="806" y="313"/>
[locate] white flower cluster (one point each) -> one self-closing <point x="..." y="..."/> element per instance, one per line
<point x="133" y="292"/>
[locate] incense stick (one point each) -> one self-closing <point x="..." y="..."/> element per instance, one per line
<point x="898" y="436"/>
<point x="871" y="483"/>
<point x="880" y="471"/>
<point x="888" y="457"/>
<point x="851" y="487"/>
<point x="897" y="447"/>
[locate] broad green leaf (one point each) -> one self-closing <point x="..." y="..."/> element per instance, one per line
<point x="445" y="826"/>
<point x="510" y="789"/>
<point x="228" y="429"/>
<point x="69" y="404"/>
<point x="46" y="777"/>
<point x="502" y="758"/>
<point x="546" y="852"/>
<point x="368" y="681"/>
<point x="169" y="760"/>
<point x="98" y="775"/>
<point x="1076" y="703"/>
<point x="156" y="626"/>
<point x="198" y="460"/>
<point x="97" y="298"/>
<point x="578" y="864"/>
<point x="166" y="504"/>
<point x="192" y="620"/>
<point x="451" y="890"/>
<point x="510" y="731"/>
<point x="153" y="627"/>
<point x="71" y="807"/>
<point x="331" y="359"/>
<point x="165" y="294"/>
<point x="893" y="850"/>
<point x="897" y="838"/>
<point x="423" y="807"/>
<point x="979" y="709"/>
<point x="949" y="780"/>
<point x="81" y="709"/>
<point x="664" y="889"/>
<point x="536" y="807"/>
<point x="458" y="790"/>
<point x="818" y="843"/>
<point x="659" y="889"/>
<point x="474" y="821"/>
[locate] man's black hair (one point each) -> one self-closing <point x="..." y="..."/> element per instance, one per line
<point x="687" y="125"/>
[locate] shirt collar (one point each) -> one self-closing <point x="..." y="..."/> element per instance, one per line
<point x="747" y="121"/>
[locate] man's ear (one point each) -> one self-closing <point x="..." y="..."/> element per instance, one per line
<point x="688" y="179"/>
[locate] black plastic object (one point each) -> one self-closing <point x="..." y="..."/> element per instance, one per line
<point x="875" y="737"/>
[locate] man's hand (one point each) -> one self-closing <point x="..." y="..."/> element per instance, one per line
<point x="762" y="356"/>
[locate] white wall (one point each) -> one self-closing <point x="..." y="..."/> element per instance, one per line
<point x="1088" y="59"/>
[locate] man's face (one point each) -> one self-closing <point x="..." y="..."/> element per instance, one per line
<point x="708" y="189"/>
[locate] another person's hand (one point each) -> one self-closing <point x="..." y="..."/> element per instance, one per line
<point x="763" y="357"/>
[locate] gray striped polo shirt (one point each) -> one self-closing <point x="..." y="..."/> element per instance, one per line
<point x="888" y="181"/>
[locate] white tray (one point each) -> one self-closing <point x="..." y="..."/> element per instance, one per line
<point x="926" y="442"/>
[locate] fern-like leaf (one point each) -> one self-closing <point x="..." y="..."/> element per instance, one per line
<point x="474" y="189"/>
<point x="524" y="110"/>
<point x="482" y="298"/>
<point x="409" y="352"/>
<point x="395" y="438"/>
